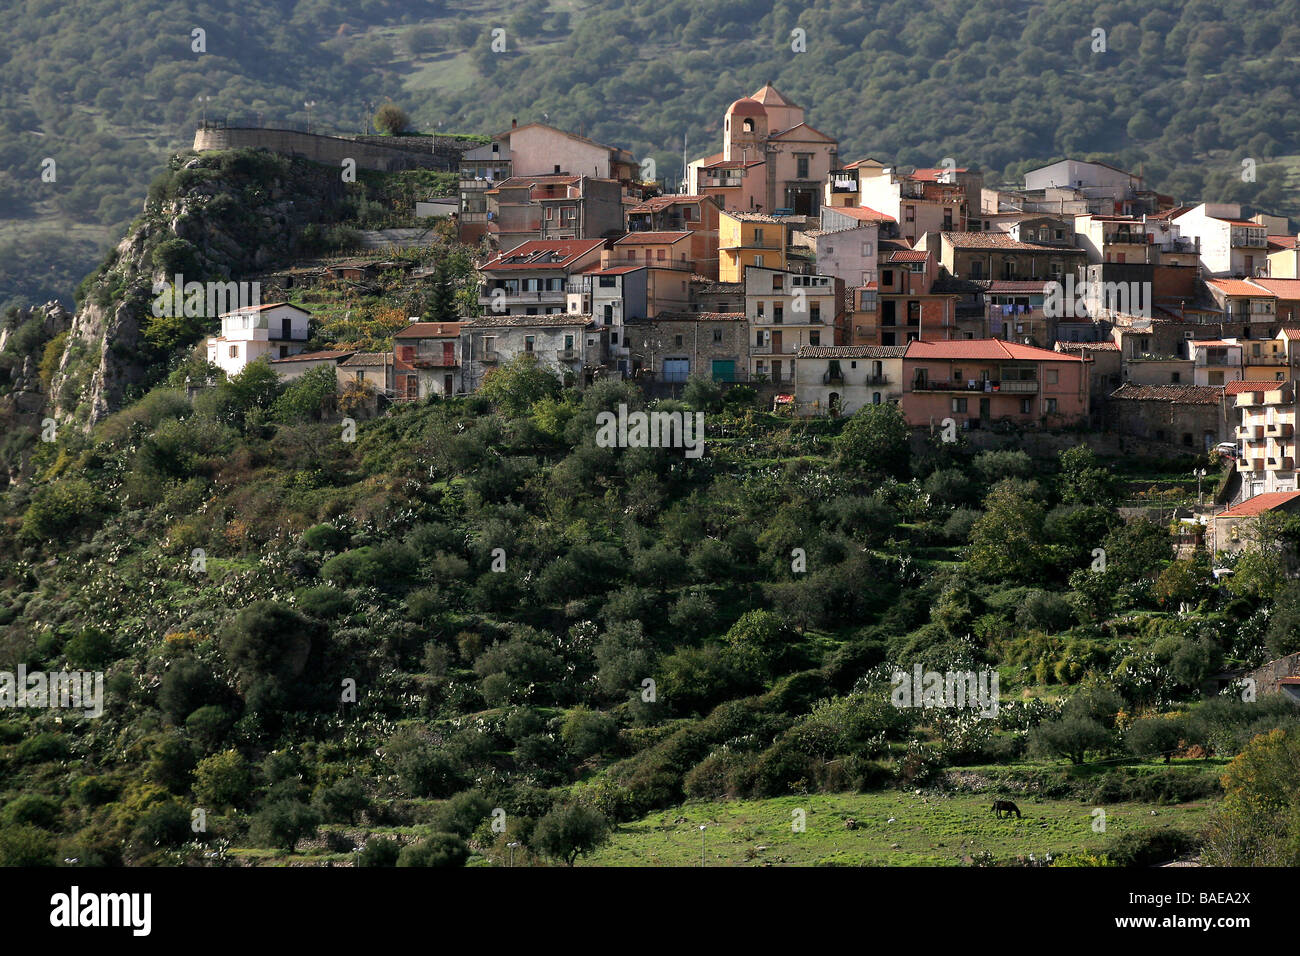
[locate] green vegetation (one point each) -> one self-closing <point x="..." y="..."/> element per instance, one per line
<point x="476" y="627"/>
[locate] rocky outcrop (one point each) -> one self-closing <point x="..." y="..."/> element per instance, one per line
<point x="215" y="217"/>
<point x="23" y="401"/>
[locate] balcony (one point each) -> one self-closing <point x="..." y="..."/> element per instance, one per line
<point x="545" y="297"/>
<point x="1248" y="399"/>
<point x="1280" y="464"/>
<point x="1000" y="387"/>
<point x="1250" y="464"/>
<point x="769" y="349"/>
<point x="1279" y="430"/>
<point x="1276" y="360"/>
<point x="833" y="378"/>
<point x="1250" y="433"/>
<point x="568" y="355"/>
<point x="435" y="361"/>
<point x="490" y="357"/>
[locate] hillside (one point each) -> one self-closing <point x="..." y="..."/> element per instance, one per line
<point x="1183" y="93"/>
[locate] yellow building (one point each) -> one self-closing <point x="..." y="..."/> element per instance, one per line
<point x="749" y="239"/>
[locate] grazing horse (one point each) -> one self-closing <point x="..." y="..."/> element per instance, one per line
<point x="1001" y="807"/>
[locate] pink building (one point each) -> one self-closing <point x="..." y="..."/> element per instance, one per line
<point x="979" y="382"/>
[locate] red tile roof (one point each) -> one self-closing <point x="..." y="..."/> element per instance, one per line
<point x="1282" y="288"/>
<point x="1174" y="394"/>
<point x="314" y="356"/>
<point x="1002" y="240"/>
<point x="977" y="349"/>
<point x="544" y="253"/>
<point x="426" y="330"/>
<point x="862" y="213"/>
<point x="263" y="308"/>
<point x="1240" y="287"/>
<point x="931" y="175"/>
<point x="651" y="238"/>
<point x="909" y="255"/>
<point x="1259" y="504"/>
<point x="656" y="203"/>
<point x="1252" y="385"/>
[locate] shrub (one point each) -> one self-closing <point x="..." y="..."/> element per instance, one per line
<point x="282" y="823"/>
<point x="1149" y="847"/>
<point x="441" y="849"/>
<point x="379" y="851"/>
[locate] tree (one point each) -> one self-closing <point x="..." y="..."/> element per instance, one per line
<point x="308" y="396"/>
<point x="1284" y="622"/>
<point x="1083" y="480"/>
<point x="222" y="780"/>
<point x="515" y="386"/>
<point x="282" y="823"/>
<point x="1070" y="737"/>
<point x="441" y="849"/>
<point x="1138" y="550"/>
<point x="569" y="832"/>
<point x="1154" y="737"/>
<point x="875" y="441"/>
<point x="757" y="640"/>
<point x="392" y="120"/>
<point x="702" y="394"/>
<point x="1006" y="542"/>
<point x="442" y="295"/>
<point x="1258" y="822"/>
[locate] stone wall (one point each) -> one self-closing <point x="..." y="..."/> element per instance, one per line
<point x="385" y="154"/>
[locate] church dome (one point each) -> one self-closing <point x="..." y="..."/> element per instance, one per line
<point x="746" y="106"/>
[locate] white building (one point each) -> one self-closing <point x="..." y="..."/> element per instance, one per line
<point x="1230" y="245"/>
<point x="1266" y="436"/>
<point x="275" y="330"/>
<point x="839" y="379"/>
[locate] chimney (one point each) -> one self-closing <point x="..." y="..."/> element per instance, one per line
<point x="514" y="123"/>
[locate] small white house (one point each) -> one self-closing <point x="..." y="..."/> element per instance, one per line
<point x="276" y="330"/>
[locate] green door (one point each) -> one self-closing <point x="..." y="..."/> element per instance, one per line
<point x="724" y="370"/>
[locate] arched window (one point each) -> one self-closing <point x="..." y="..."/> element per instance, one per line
<point x="748" y="126"/>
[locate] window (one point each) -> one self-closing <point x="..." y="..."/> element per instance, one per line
<point x="758" y="261"/>
<point x="814" y="338"/>
<point x="866" y="248"/>
<point x="717" y="336"/>
<point x="801" y="161"/>
<point x="1051" y="406"/>
<point x="778" y="314"/>
<point x="959" y="404"/>
<point x="677" y="341"/>
<point x="875" y="398"/>
<point x="528" y="343"/>
<point x="1026" y="406"/>
<point x="234" y="351"/>
<point x="1053" y="376"/>
<point x="886" y="277"/>
<point x="1175" y="378"/>
<point x="778" y="282"/>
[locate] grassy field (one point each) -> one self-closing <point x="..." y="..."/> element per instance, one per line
<point x="893" y="829"/>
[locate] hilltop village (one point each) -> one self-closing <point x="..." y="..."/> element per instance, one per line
<point x="1081" y="298"/>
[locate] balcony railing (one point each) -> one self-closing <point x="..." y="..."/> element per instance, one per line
<point x="1279" y="430"/>
<point x="833" y="378"/>
<point x="491" y="356"/>
<point x="998" y="387"/>
<point x="435" y="361"/>
<point x="553" y="296"/>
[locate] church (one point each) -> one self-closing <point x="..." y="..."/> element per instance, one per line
<point x="771" y="162"/>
